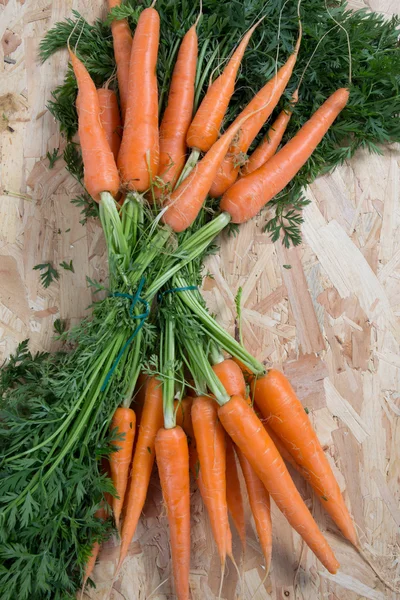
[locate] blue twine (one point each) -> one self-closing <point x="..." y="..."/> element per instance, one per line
<point x="142" y="317"/>
<point x="186" y="288"/>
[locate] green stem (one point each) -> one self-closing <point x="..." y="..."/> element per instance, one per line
<point x="215" y="331"/>
<point x="198" y="357"/>
<point x="216" y="355"/>
<point x="189" y="166"/>
<point x="148" y="254"/>
<point x="168" y="371"/>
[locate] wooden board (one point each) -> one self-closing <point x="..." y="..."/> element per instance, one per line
<point x="326" y="312"/>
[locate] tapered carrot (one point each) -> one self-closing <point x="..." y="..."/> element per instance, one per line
<point x="122" y="42"/>
<point x="100" y="170"/>
<point x="248" y="195"/>
<point x="178" y="114"/>
<point x="102" y="514"/>
<point x="123" y="423"/>
<point x="279" y="404"/>
<point x="183" y="415"/>
<point x="260" y="505"/>
<point x="267" y="98"/>
<point x="267" y="148"/>
<point x="246" y="430"/>
<point x="143" y="459"/>
<point x="230" y="375"/>
<point x="210" y="443"/>
<point x="233" y="492"/>
<point x="139" y="153"/>
<point x="204" y="129"/>
<point x="173" y="466"/>
<point x="110" y="118"/>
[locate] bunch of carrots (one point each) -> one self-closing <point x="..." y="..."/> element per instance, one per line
<point x="232" y="419"/>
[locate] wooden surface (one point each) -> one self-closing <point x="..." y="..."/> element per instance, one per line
<point x="330" y="321"/>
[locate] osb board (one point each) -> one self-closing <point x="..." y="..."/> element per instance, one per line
<point x="330" y="321"/>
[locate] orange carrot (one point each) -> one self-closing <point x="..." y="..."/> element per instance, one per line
<point x="143" y="460"/>
<point x="173" y="466"/>
<point x="279" y="404"/>
<point x="267" y="98"/>
<point x="183" y="415"/>
<point x="233" y="492"/>
<point x="270" y="143"/>
<point x="110" y="118"/>
<point x="122" y="42"/>
<point x="204" y="129"/>
<point x="248" y="195"/>
<point x="260" y="505"/>
<point x="100" y="170"/>
<point x="178" y="114"/>
<point x="210" y="442"/>
<point x="124" y="422"/>
<point x="230" y="375"/>
<point x="102" y="514"/>
<point x="139" y="154"/>
<point x="246" y="430"/>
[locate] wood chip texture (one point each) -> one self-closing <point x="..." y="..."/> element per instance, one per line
<point x="331" y="322"/>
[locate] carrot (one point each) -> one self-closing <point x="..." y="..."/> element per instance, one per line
<point x="246" y="430"/>
<point x="142" y="465"/>
<point x="100" y="170"/>
<point x="178" y="114"/>
<point x="122" y="42"/>
<point x="270" y="143"/>
<point x="204" y="129"/>
<point x="248" y="195"/>
<point x="230" y="375"/>
<point x="139" y="154"/>
<point x="110" y="118"/>
<point x="102" y="514"/>
<point x="173" y="466"/>
<point x="260" y="505"/>
<point x="233" y="492"/>
<point x="210" y="442"/>
<point x="183" y="415"/>
<point x="267" y="98"/>
<point x="286" y="416"/>
<point x="124" y="422"/>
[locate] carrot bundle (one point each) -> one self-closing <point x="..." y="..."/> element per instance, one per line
<point x="248" y="195"/>
<point x="286" y="416"/>
<point x="139" y="153"/>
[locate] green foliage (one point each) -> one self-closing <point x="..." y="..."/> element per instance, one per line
<point x="49" y="274"/>
<point x="53" y="157"/>
<point x="60" y="326"/>
<point x="67" y="266"/>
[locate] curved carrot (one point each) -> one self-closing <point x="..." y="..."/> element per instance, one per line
<point x="178" y="114"/>
<point x="124" y="422"/>
<point x="260" y="505"/>
<point x="246" y="430"/>
<point x="122" y="42"/>
<point x="234" y="497"/>
<point x="139" y="153"/>
<point x="230" y="375"/>
<point x="142" y="465"/>
<point x="268" y="97"/>
<point x="173" y="467"/>
<point x="248" y="195"/>
<point x="204" y="129"/>
<point x="279" y="404"/>
<point x="100" y="170"/>
<point x="210" y="442"/>
<point x="110" y="118"/>
<point x="270" y="143"/>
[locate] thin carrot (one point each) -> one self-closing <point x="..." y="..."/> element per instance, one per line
<point x="234" y="496"/>
<point x="285" y="413"/>
<point x="110" y="118"/>
<point x="139" y="154"/>
<point x="123" y="423"/>
<point x="246" y="430"/>
<point x="143" y="460"/>
<point x="230" y="375"/>
<point x="260" y="505"/>
<point x="173" y="466"/>
<point x="267" y="148"/>
<point x="183" y="415"/>
<point x="102" y="514"/>
<point x="122" y="42"/>
<point x="267" y="98"/>
<point x="210" y="442"/>
<point x="100" y="170"/>
<point x="204" y="129"/>
<point x="248" y="195"/>
<point x="178" y="114"/>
